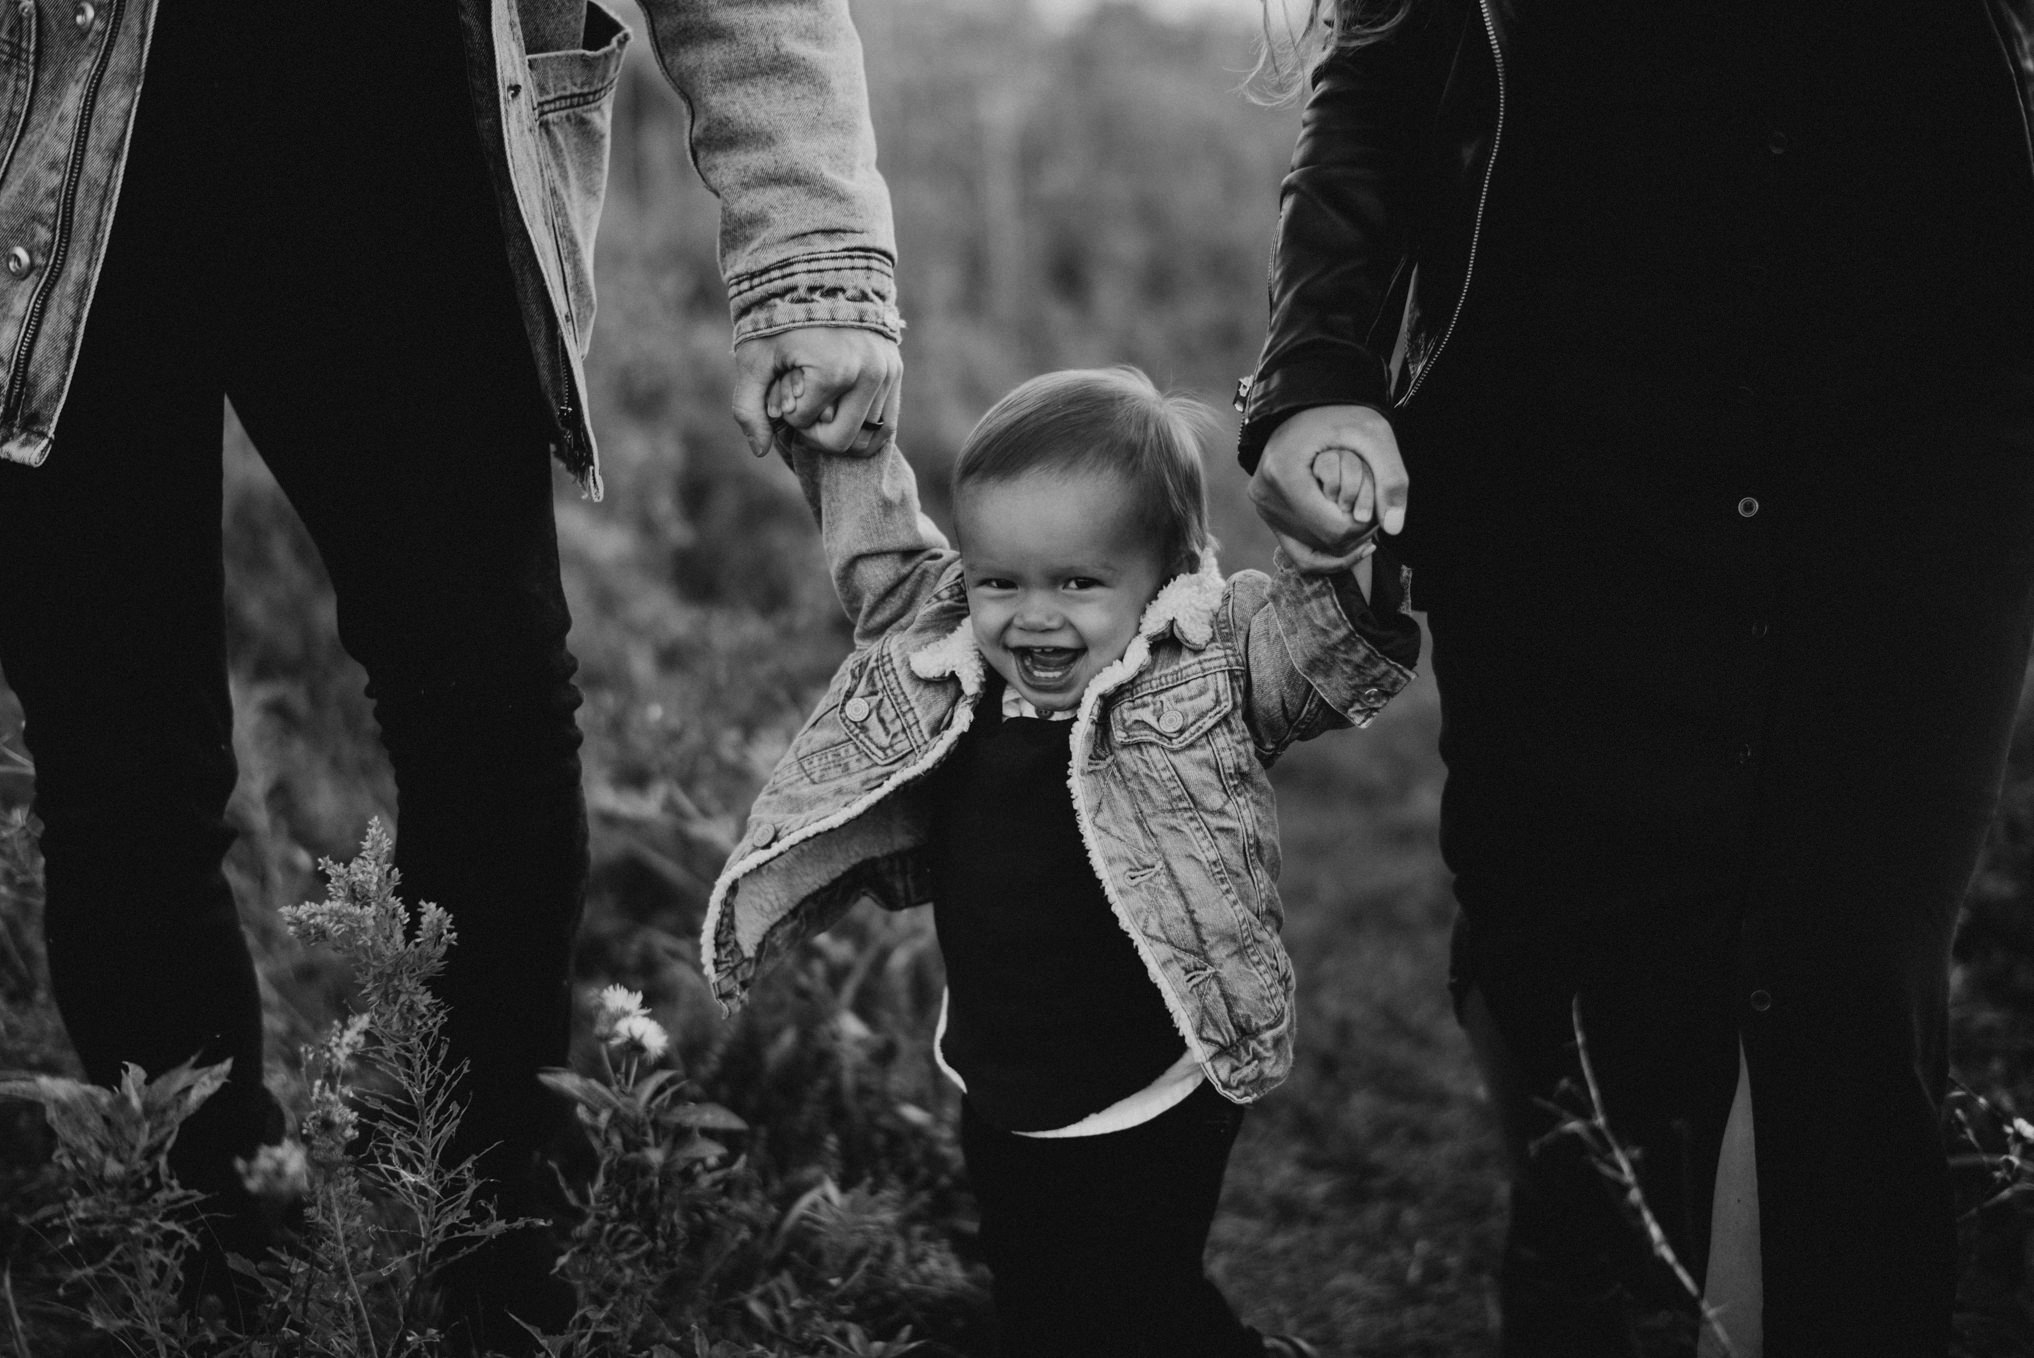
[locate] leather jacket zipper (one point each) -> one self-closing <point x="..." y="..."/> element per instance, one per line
<point x="67" y="203"/>
<point x="2005" y="42"/>
<point x="1482" y="198"/>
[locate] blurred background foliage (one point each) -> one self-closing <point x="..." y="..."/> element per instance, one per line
<point x="1085" y="192"/>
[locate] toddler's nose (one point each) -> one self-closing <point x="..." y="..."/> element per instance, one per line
<point x="1038" y="614"/>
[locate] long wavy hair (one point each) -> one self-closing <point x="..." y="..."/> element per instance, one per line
<point x="1284" y="58"/>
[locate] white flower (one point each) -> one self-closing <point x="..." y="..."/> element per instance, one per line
<point x="347" y="1039"/>
<point x="2023" y="1129"/>
<point x="279" y="1173"/>
<point x="643" y="1033"/>
<point x="614" y="1004"/>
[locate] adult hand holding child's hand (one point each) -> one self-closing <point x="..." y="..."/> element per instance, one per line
<point x="838" y="386"/>
<point x="1307" y="492"/>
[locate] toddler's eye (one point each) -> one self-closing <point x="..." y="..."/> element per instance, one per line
<point x="990" y="582"/>
<point x="1083" y="582"/>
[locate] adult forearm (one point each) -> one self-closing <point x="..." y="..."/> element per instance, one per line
<point x="780" y="133"/>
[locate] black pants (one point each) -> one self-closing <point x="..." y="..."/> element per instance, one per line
<point x="1096" y="1242"/>
<point x="306" y="228"/>
<point x="1734" y="794"/>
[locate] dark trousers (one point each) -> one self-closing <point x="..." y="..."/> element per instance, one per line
<point x="1096" y="1242"/>
<point x="1736" y="798"/>
<point x="305" y="228"/>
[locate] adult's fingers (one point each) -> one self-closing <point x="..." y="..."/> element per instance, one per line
<point x="757" y="393"/>
<point x="837" y="378"/>
<point x="1289" y="500"/>
<point x="1292" y="502"/>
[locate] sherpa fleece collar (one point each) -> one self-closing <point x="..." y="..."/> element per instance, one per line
<point x="1185" y="606"/>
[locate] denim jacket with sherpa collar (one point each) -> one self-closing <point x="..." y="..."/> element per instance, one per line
<point x="1169" y="751"/>
<point x="780" y="132"/>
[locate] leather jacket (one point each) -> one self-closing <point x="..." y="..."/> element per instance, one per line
<point x="780" y="131"/>
<point x="1381" y="214"/>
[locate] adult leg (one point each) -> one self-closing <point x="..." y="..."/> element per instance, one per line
<point x="112" y="636"/>
<point x="381" y="367"/>
<point x="1876" y="803"/>
<point x="1096" y="1244"/>
<point x="1596" y="826"/>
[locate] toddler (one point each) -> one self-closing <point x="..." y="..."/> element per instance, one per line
<point x="1058" y="737"/>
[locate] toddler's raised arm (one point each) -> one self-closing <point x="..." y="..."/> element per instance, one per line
<point x="884" y="554"/>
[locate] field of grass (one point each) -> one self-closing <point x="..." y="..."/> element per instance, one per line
<point x="1098" y="195"/>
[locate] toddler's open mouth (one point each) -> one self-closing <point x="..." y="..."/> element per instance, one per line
<point x="1046" y="667"/>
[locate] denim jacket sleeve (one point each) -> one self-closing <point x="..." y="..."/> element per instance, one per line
<point x="1318" y="656"/>
<point x="886" y="556"/>
<point x="780" y="133"/>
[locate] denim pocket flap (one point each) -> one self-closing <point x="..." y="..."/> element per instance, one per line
<point x="579" y="76"/>
<point x="1173" y="716"/>
<point x="873" y="715"/>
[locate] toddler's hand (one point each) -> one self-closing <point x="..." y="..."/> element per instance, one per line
<point x="1345" y="478"/>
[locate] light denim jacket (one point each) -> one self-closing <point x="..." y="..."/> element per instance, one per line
<point x="1170" y="747"/>
<point x="780" y="133"/>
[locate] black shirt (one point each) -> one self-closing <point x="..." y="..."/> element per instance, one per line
<point x="1051" y="1014"/>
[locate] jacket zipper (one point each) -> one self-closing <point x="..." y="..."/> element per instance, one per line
<point x="1482" y="198"/>
<point x="1999" y="35"/>
<point x="568" y="411"/>
<point x="17" y="382"/>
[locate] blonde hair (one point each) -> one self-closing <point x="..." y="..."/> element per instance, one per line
<point x="1284" y="61"/>
<point x="1089" y="420"/>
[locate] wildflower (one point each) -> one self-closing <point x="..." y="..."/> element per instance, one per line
<point x="643" y="1033"/>
<point x="279" y="1173"/>
<point x="612" y="1006"/>
<point x="2023" y="1129"/>
<point x="347" y="1040"/>
<point x="330" y="1119"/>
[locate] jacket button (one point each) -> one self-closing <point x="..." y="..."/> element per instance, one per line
<point x="855" y="709"/>
<point x="1169" y="721"/>
<point x="1747" y="507"/>
<point x="85" y="15"/>
<point x="1761" y="1000"/>
<point x="1778" y="143"/>
<point x="19" y="261"/>
<point x="1373" y="696"/>
<point x="1743" y="753"/>
<point x="1759" y="629"/>
<point x="762" y="832"/>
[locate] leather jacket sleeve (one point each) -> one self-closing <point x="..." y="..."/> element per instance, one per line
<point x="1347" y="212"/>
<point x="781" y="135"/>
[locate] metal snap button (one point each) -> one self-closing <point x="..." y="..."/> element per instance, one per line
<point x="1170" y="721"/>
<point x="1373" y="696"/>
<point x="1761" y="1001"/>
<point x="1747" y="507"/>
<point x="855" y="709"/>
<point x="762" y="832"/>
<point x="1759" y="629"/>
<point x="19" y="261"/>
<point x="1778" y="143"/>
<point x="1743" y="753"/>
<point x="515" y="91"/>
<point x="85" y="15"/>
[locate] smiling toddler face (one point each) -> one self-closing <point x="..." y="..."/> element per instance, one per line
<point x="1059" y="567"/>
